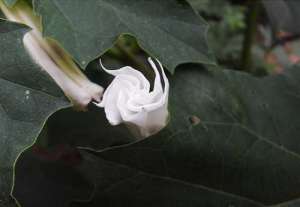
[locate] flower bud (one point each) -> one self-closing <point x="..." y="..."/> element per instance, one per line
<point x="53" y="59"/>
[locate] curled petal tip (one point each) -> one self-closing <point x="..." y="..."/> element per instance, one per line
<point x="101" y="64"/>
<point x="98" y="104"/>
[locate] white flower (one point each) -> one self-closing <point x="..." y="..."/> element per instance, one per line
<point x="129" y="99"/>
<point x="53" y="59"/>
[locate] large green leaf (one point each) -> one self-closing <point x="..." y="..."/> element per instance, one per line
<point x="48" y="177"/>
<point x="230" y="133"/>
<point x="121" y="185"/>
<point x="50" y="166"/>
<point x="168" y="29"/>
<point x="27" y="98"/>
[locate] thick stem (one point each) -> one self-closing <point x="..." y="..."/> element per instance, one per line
<point x="249" y="38"/>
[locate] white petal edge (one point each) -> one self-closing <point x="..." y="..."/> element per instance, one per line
<point x="128" y="99"/>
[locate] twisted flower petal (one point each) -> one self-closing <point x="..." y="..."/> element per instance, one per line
<point x="129" y="99"/>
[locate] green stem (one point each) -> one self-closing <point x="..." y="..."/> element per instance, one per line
<point x="249" y="38"/>
<point x="139" y="64"/>
<point x="129" y="55"/>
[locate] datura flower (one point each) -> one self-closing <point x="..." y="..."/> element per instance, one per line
<point x="129" y="99"/>
<point x="53" y="59"/>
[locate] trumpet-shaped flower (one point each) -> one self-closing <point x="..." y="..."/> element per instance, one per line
<point x="129" y="99"/>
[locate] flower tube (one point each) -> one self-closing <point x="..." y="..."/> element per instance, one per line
<point x="53" y="59"/>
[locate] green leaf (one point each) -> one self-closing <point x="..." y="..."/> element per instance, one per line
<point x="49" y="167"/>
<point x="120" y="185"/>
<point x="168" y="30"/>
<point x="69" y="126"/>
<point x="230" y="133"/>
<point x="27" y="97"/>
<point x="48" y="177"/>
